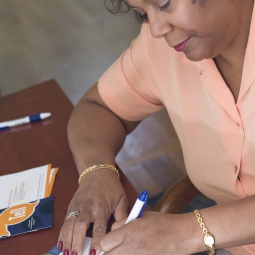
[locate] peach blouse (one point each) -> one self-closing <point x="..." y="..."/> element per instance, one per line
<point x="217" y="135"/>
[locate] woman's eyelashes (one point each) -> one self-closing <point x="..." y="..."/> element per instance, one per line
<point x="143" y="17"/>
<point x="163" y="7"/>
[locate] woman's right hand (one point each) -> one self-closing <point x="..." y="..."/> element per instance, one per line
<point x="99" y="195"/>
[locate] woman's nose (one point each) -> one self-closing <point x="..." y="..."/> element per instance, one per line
<point x="159" y="26"/>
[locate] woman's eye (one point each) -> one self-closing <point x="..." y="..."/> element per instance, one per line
<point x="164" y="6"/>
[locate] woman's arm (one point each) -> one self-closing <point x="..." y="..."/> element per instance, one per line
<point x="95" y="133"/>
<point x="232" y="224"/>
<point x="95" y="136"/>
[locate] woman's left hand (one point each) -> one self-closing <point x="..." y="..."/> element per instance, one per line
<point x="153" y="234"/>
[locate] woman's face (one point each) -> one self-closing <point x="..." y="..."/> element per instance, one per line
<point x="202" y="29"/>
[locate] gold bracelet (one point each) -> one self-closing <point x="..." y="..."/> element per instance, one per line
<point x="95" y="167"/>
<point x="209" y="238"/>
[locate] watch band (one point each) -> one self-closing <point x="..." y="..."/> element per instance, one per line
<point x="209" y="239"/>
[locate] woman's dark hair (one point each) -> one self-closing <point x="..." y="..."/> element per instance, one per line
<point x="121" y="6"/>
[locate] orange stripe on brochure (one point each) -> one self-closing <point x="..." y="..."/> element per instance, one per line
<point x="47" y="181"/>
<point x="52" y="180"/>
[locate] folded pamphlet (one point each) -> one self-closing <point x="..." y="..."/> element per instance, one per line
<point x="26" y="217"/>
<point x="18" y="214"/>
<point x="26" y="186"/>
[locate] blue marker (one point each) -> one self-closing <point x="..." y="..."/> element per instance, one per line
<point x="24" y="120"/>
<point x="138" y="207"/>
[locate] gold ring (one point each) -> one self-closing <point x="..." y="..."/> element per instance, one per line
<point x="74" y="214"/>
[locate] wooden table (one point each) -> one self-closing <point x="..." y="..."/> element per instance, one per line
<point x="31" y="145"/>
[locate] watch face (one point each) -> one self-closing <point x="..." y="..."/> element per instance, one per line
<point x="209" y="240"/>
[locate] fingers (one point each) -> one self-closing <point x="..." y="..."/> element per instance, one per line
<point x="79" y="233"/>
<point x="113" y="240"/>
<point x="99" y="230"/>
<point x="121" y="209"/>
<point x="96" y="206"/>
<point x="73" y="233"/>
<point x="120" y="214"/>
<point x="118" y="224"/>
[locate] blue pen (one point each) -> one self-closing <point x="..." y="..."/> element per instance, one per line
<point x="24" y="120"/>
<point x="138" y="207"/>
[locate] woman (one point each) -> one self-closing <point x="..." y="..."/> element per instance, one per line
<point x="197" y="59"/>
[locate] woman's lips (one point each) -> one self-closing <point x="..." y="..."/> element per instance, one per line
<point x="181" y="46"/>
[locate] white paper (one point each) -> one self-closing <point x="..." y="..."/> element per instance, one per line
<point x="23" y="187"/>
<point x="86" y="247"/>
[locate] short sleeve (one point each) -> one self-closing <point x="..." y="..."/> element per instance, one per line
<point x="128" y="87"/>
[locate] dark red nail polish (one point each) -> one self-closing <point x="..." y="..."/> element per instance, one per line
<point x="60" y="245"/>
<point x="92" y="252"/>
<point x="66" y="252"/>
<point x="74" y="253"/>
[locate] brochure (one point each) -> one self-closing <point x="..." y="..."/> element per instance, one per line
<point x="26" y="217"/>
<point x="26" y="186"/>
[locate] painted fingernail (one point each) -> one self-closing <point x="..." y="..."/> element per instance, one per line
<point x="74" y="253"/>
<point x="66" y="252"/>
<point x="60" y="245"/>
<point x="92" y="252"/>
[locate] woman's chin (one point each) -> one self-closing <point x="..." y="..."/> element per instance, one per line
<point x="199" y="53"/>
<point x="195" y="56"/>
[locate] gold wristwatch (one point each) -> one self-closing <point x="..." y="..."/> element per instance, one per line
<point x="209" y="239"/>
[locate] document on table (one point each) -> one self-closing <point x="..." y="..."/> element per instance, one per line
<point x="55" y="251"/>
<point x="26" y="186"/>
